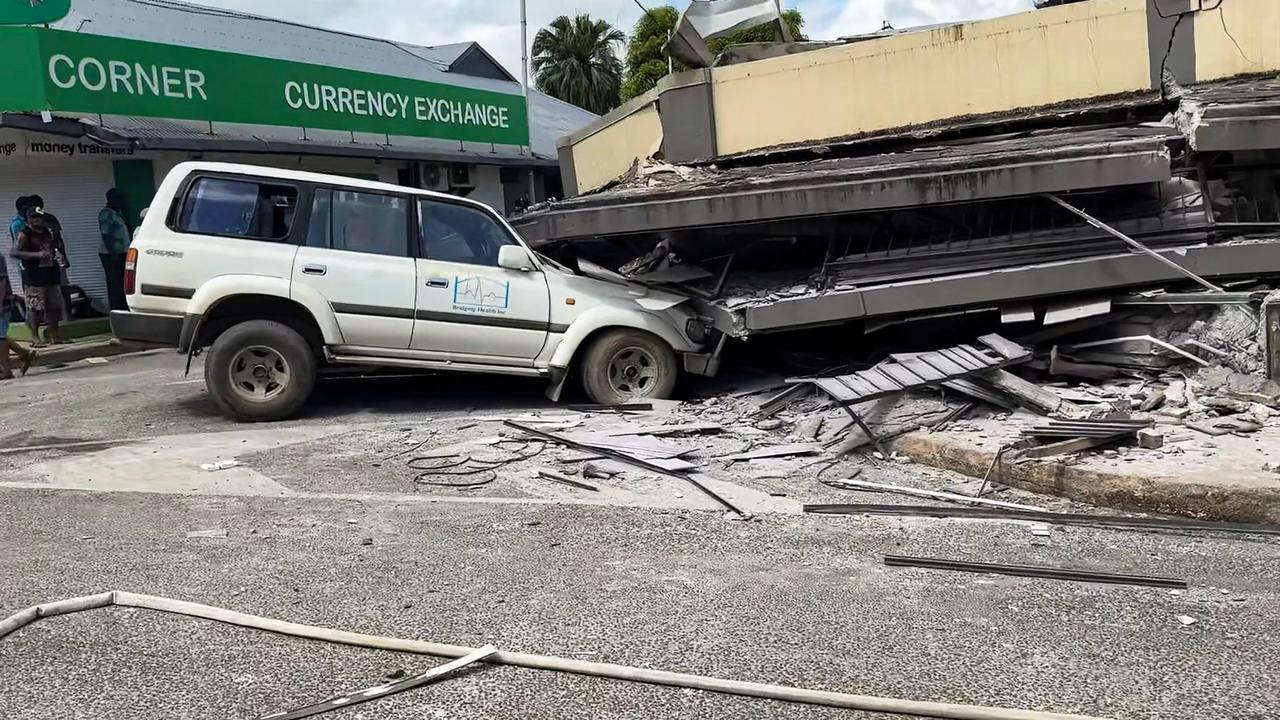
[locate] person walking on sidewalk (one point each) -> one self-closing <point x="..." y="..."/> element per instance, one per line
<point x="7" y="345"/>
<point x="38" y="253"/>
<point x="115" y="243"/>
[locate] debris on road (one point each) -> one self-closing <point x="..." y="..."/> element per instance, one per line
<point x="565" y="480"/>
<point x="378" y="692"/>
<point x="629" y="459"/>
<point x="218" y="534"/>
<point x="775" y="451"/>
<point x="1050" y="573"/>
<point x="220" y="465"/>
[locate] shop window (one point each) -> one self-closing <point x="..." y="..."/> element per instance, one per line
<point x="239" y="208"/>
<point x="461" y="234"/>
<point x="359" y="222"/>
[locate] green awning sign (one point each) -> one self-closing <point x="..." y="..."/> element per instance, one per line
<point x="33" y="12"/>
<point x="85" y="73"/>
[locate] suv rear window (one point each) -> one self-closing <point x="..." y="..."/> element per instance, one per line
<point x="239" y="208"/>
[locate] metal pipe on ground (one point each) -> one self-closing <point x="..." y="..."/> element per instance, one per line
<point x="623" y="457"/>
<point x="1034" y="571"/>
<point x="868" y="703"/>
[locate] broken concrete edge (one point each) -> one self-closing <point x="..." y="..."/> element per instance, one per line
<point x="1140" y="493"/>
<point x="83" y="350"/>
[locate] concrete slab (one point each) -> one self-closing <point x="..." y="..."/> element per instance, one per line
<point x="1194" y="475"/>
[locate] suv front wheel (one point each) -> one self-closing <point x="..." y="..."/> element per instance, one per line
<point x="624" y="366"/>
<point x="260" y="371"/>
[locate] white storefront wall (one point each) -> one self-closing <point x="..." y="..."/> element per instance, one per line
<point x="73" y="178"/>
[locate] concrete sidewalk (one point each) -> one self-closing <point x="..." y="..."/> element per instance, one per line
<point x="1214" y="478"/>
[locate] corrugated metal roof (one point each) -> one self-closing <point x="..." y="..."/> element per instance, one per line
<point x="163" y="134"/>
<point x="178" y="23"/>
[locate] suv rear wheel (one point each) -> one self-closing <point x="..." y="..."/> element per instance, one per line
<point x="623" y="366"/>
<point x="260" y="371"/>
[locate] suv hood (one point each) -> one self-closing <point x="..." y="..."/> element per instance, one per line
<point x="597" y="281"/>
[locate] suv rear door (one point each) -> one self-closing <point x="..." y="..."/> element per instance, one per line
<point x="357" y="256"/>
<point x="467" y="305"/>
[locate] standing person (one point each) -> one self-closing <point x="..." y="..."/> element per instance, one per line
<point x="6" y="345"/>
<point x="63" y="260"/>
<point x="115" y="243"/>
<point x="41" y="276"/>
<point x="19" y="221"/>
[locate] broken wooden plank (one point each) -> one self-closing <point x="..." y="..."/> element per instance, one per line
<point x="917" y="366"/>
<point x="902" y="375"/>
<point x="792" y="450"/>
<point x="1008" y="349"/>
<point x="1028" y="393"/>
<point x="986" y="394"/>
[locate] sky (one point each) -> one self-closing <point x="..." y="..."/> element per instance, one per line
<point x="495" y="24"/>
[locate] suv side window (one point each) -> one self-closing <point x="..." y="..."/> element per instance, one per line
<point x="460" y="234"/>
<point x="359" y="222"/>
<point x="238" y="208"/>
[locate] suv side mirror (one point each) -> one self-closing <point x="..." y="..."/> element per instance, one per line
<point x="514" y="257"/>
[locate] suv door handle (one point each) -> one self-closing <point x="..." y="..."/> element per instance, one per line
<point x="438" y="283"/>
<point x="314" y="270"/>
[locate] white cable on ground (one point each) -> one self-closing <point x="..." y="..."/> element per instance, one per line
<point x="537" y="662"/>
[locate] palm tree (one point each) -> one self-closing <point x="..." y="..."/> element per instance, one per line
<point x="574" y="61"/>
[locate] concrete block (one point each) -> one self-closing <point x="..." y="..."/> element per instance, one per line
<point x="1150" y="439"/>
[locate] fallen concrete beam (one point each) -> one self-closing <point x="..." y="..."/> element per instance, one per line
<point x="802" y="190"/>
<point x="1020" y="283"/>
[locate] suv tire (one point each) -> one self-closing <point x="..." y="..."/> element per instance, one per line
<point x="624" y="366"/>
<point x="260" y="371"/>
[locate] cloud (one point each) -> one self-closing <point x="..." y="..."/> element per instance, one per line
<point x="495" y="24"/>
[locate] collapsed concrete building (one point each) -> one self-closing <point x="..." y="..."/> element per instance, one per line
<point x="1010" y="166"/>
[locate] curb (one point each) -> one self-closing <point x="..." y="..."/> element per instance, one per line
<point x="1143" y="493"/>
<point x="77" y="351"/>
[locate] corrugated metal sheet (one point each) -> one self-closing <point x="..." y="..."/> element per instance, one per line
<point x="176" y="23"/>
<point x="160" y="133"/>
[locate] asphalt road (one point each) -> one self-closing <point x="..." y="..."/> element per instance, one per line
<point x="653" y="576"/>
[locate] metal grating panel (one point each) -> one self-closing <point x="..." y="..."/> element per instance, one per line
<point x="904" y="372"/>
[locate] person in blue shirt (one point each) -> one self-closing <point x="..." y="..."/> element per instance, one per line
<point x="19" y="220"/>
<point x="114" y="229"/>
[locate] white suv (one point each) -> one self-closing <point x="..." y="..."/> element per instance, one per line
<point x="279" y="272"/>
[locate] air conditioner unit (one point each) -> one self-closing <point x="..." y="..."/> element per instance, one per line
<point x="433" y="178"/>
<point x="460" y="177"/>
